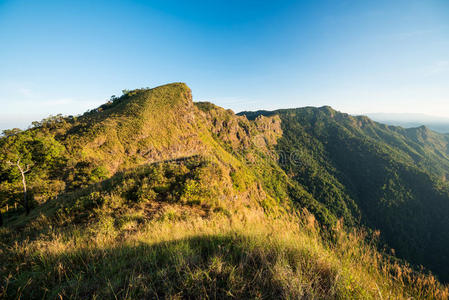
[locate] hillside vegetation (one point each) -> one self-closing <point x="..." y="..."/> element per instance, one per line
<point x="386" y="178"/>
<point x="154" y="196"/>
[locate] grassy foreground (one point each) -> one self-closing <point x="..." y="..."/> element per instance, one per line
<point x="242" y="256"/>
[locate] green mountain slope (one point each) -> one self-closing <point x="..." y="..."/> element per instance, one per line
<point x="387" y="178"/>
<point x="154" y="196"/>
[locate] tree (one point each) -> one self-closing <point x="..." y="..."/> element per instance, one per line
<point x="27" y="158"/>
<point x="23" y="170"/>
<point x="17" y="158"/>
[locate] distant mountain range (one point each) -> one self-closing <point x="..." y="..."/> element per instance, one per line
<point x="435" y="123"/>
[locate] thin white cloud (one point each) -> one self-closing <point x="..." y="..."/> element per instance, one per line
<point x="439" y="67"/>
<point x="233" y="100"/>
<point x="415" y="33"/>
<point x="237" y="104"/>
<point x="21" y="113"/>
<point x="25" y="92"/>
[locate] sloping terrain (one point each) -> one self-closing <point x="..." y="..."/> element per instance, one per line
<point x="384" y="177"/>
<point x="152" y="195"/>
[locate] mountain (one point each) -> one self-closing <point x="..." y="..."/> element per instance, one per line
<point x="154" y="196"/>
<point x="387" y="178"/>
<point x="438" y="124"/>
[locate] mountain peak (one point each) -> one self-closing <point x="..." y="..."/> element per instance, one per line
<point x="138" y="102"/>
<point x="162" y="97"/>
<point x="139" y="121"/>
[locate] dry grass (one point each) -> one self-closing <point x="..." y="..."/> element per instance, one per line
<point x="248" y="255"/>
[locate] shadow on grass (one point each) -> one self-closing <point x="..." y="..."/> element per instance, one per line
<point x="228" y="266"/>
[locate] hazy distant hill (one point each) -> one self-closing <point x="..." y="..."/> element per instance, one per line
<point x="412" y="120"/>
<point x="154" y="196"/>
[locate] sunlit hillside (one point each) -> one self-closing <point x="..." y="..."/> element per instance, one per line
<point x="154" y="196"/>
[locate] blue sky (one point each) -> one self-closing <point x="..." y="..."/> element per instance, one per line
<point x="357" y="56"/>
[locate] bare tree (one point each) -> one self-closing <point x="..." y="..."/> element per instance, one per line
<point x="23" y="170"/>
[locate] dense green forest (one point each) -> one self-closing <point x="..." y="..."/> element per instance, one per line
<point x="382" y="177"/>
<point x="153" y="195"/>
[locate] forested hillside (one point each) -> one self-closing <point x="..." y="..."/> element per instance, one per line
<point x="383" y="177"/>
<point x="154" y="196"/>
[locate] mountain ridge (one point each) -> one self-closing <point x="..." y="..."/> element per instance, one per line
<point x="153" y="159"/>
